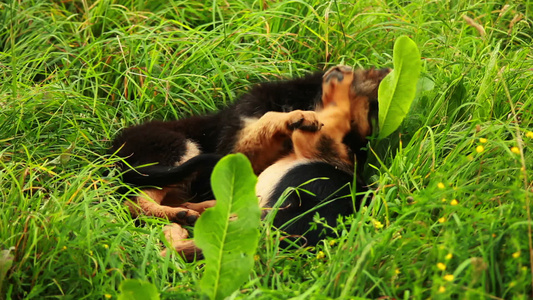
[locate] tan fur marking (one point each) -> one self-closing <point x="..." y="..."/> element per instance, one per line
<point x="270" y="177"/>
<point x="248" y="121"/>
<point x="149" y="204"/>
<point x="335" y="116"/>
<point x="191" y="150"/>
<point x="177" y="238"/>
<point x="262" y="141"/>
<point x="200" y="207"/>
<point x="360" y="116"/>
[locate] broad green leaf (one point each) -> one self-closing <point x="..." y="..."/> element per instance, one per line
<point x="397" y="90"/>
<point x="424" y="84"/>
<point x="228" y="233"/>
<point x="134" y="289"/>
<point x="6" y="261"/>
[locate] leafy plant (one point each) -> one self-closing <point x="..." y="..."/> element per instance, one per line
<point x="135" y="289"/>
<point x="6" y="261"/>
<point x="228" y="233"/>
<point x="397" y="90"/>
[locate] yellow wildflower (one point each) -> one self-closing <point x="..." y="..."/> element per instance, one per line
<point x="454" y="202"/>
<point x="442" y="220"/>
<point x="377" y="224"/>
<point x="448" y="256"/>
<point x="515" y="150"/>
<point x="529" y="134"/>
<point x="64" y="247"/>
<point x="443" y="200"/>
<point x="440" y="185"/>
<point x="106" y="246"/>
<point x="512" y="283"/>
<point x="516" y="254"/>
<point x="480" y="149"/>
<point x="397" y="271"/>
<point x="107" y="296"/>
<point x="448" y="277"/>
<point x="483" y="140"/>
<point x="320" y="255"/>
<point x="441" y="266"/>
<point x="442" y="289"/>
<point x="332" y="243"/>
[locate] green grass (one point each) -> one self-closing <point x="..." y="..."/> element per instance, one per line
<point x="73" y="73"/>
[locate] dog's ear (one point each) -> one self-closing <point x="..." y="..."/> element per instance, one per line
<point x="366" y="82"/>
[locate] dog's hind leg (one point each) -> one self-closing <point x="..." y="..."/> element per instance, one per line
<point x="149" y="204"/>
<point x="199" y="207"/>
<point x="177" y="237"/>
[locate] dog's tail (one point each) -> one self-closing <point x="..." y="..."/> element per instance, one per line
<point x="163" y="175"/>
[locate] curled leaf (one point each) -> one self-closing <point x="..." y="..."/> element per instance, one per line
<point x="6" y="261"/>
<point x="397" y="90"/>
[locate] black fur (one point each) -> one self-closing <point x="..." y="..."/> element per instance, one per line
<point x="164" y="176"/>
<point x="303" y="205"/>
<point x="164" y="142"/>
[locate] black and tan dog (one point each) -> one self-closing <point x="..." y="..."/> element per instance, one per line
<point x="263" y="125"/>
<point x="186" y="150"/>
<point x="318" y="151"/>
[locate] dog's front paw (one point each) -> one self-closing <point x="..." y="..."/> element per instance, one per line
<point x="337" y="74"/>
<point x="337" y="85"/>
<point x="303" y="120"/>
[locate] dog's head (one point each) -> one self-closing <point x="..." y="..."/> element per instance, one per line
<point x="365" y="100"/>
<point x="349" y="108"/>
<point x="363" y="103"/>
<point x="363" y="95"/>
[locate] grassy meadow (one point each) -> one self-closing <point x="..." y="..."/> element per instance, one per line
<point x="452" y="189"/>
